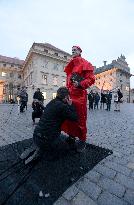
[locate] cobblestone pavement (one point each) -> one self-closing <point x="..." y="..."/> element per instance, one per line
<point x="111" y="182"/>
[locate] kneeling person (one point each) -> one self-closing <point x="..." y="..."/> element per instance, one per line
<point x="48" y="130"/>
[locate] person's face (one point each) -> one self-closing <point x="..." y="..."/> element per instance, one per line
<point x="75" y="51"/>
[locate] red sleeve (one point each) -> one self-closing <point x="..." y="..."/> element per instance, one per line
<point x="89" y="79"/>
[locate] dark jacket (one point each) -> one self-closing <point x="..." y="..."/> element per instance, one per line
<point x="38" y="95"/>
<point x="55" y="113"/>
<point x="120" y="95"/>
<point x="108" y="98"/>
<point x="91" y="97"/>
<point x="23" y="96"/>
<point x="37" y="107"/>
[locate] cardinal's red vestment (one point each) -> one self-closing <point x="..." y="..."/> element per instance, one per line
<point x="79" y="95"/>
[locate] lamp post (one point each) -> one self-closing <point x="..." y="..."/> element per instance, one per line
<point x="129" y="88"/>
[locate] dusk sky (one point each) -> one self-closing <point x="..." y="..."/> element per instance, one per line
<point x="104" y="29"/>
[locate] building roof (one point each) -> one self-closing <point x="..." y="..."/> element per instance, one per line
<point x="120" y="64"/>
<point x="47" y="45"/>
<point x="15" y="61"/>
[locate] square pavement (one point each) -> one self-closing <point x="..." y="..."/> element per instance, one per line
<point x="111" y="182"/>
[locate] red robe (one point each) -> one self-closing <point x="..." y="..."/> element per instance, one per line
<point x="79" y="96"/>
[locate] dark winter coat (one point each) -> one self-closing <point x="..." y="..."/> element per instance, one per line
<point x="55" y="113"/>
<point x="38" y="95"/>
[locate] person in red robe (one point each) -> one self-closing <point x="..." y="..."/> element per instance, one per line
<point x="80" y="76"/>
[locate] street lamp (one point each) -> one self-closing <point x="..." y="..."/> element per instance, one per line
<point x="129" y="87"/>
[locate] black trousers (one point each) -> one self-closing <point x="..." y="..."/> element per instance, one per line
<point x="57" y="144"/>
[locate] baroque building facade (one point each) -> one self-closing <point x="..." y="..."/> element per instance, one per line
<point x="11" y="77"/>
<point x="44" y="69"/>
<point x="113" y="76"/>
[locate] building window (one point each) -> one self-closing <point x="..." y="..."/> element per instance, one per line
<point x="54" y="95"/>
<point x="44" y="95"/>
<point x="64" y="82"/>
<point x="11" y="75"/>
<point x="12" y="65"/>
<point x="56" y="65"/>
<point x="120" y="74"/>
<point x="56" y="54"/>
<point x="4" y="64"/>
<point x="45" y="50"/>
<point x="120" y="81"/>
<point x="55" y="80"/>
<point x="46" y="64"/>
<point x="65" y="57"/>
<point x="3" y="74"/>
<point x="19" y="76"/>
<point x="44" y="79"/>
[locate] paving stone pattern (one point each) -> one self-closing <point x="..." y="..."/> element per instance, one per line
<point x="111" y="182"/>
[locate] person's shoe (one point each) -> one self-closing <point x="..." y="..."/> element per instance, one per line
<point x="80" y="146"/>
<point x="35" y="156"/>
<point x="27" y="152"/>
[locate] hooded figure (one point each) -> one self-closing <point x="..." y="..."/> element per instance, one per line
<point x="80" y="76"/>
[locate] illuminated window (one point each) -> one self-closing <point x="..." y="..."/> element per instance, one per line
<point x="55" y="80"/>
<point x="127" y="88"/>
<point x="3" y="74"/>
<point x="44" y="78"/>
<point x="54" y="95"/>
<point x="45" y="95"/>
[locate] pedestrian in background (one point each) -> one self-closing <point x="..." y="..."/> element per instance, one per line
<point x="96" y="100"/>
<point x="108" y="100"/>
<point x="91" y="100"/>
<point x="103" y="99"/>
